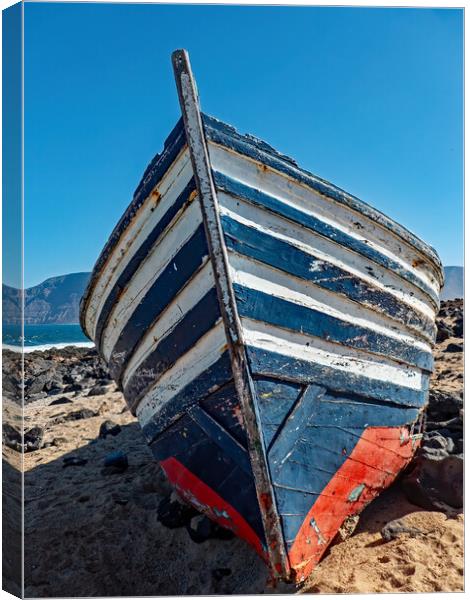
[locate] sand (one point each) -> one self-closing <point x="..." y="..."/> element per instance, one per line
<point x="91" y="534"/>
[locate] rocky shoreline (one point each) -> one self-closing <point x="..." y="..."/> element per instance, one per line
<point x="435" y="479"/>
<point x="96" y="513"/>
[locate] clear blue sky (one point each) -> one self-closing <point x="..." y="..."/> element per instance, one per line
<point x="370" y="99"/>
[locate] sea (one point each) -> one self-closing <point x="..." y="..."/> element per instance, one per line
<point x="41" y="337"/>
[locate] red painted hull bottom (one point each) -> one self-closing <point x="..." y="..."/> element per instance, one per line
<point x="373" y="464"/>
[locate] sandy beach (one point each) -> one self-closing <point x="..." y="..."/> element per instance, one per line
<point x="91" y="532"/>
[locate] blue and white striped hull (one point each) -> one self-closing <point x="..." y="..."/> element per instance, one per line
<point x="274" y="342"/>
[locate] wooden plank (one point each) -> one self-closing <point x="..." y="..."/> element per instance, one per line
<point x="183" y="302"/>
<point x="189" y="225"/>
<point x="294" y="426"/>
<point x="224" y="406"/>
<point x="205" y="353"/>
<point x="275" y="400"/>
<point x="260" y="176"/>
<point x="139" y="256"/>
<point x="256" y="275"/>
<point x="196" y="323"/>
<point x="309" y="221"/>
<point x="276" y="364"/>
<point x="188" y="443"/>
<point x="208" y="198"/>
<point x="174" y="276"/>
<point x="318" y="437"/>
<point x="217" y="375"/>
<point x="289" y="315"/>
<point x="342" y="359"/>
<point x="222" y="438"/>
<point x="251" y="242"/>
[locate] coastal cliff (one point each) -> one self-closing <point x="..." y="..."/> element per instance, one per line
<point x="55" y="300"/>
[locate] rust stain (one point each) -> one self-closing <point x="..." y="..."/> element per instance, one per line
<point x="154" y="199"/>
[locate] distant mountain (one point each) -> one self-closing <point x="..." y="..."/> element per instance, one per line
<point x="55" y="300"/>
<point x="453" y="283"/>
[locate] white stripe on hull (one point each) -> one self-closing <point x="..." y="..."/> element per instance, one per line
<point x="322" y="249"/>
<point x="160" y="256"/>
<point x="190" y="295"/>
<point x="148" y="216"/>
<point x="204" y="354"/>
<point x="258" y="276"/>
<point x="316" y="350"/>
<point x="289" y="191"/>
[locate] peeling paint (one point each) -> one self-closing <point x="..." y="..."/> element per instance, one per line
<point x="321" y="539"/>
<point x="356" y="493"/>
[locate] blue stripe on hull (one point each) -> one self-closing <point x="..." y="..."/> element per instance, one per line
<point x="201" y="387"/>
<point x="251" y="242"/>
<point x="284" y="367"/>
<point x="277" y="311"/>
<point x="197" y="321"/>
<point x="172" y="279"/>
<point x="258" y="198"/>
<point x="139" y="256"/>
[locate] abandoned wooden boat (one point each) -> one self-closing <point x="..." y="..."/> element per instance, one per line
<point x="271" y="332"/>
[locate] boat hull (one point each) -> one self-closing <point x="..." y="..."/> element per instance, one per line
<point x="272" y="334"/>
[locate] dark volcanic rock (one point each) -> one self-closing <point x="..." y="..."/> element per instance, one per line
<point x="443" y="332"/>
<point x="62" y="400"/>
<point x="53" y="371"/>
<point x="58" y="441"/>
<point x="454" y="424"/>
<point x="11" y="437"/>
<point x="55" y="391"/>
<point x="83" y="413"/>
<point x="73" y="387"/>
<point x="199" y="529"/>
<point x="109" y="428"/>
<point x="98" y="390"/>
<point x="33" y="439"/>
<point x="443" y="405"/>
<point x="434" y="480"/>
<point x="76" y="415"/>
<point x="395" y="529"/>
<point x="452" y="347"/>
<point x="435" y="483"/>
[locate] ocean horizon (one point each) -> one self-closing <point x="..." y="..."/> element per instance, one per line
<point x="43" y="336"/>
